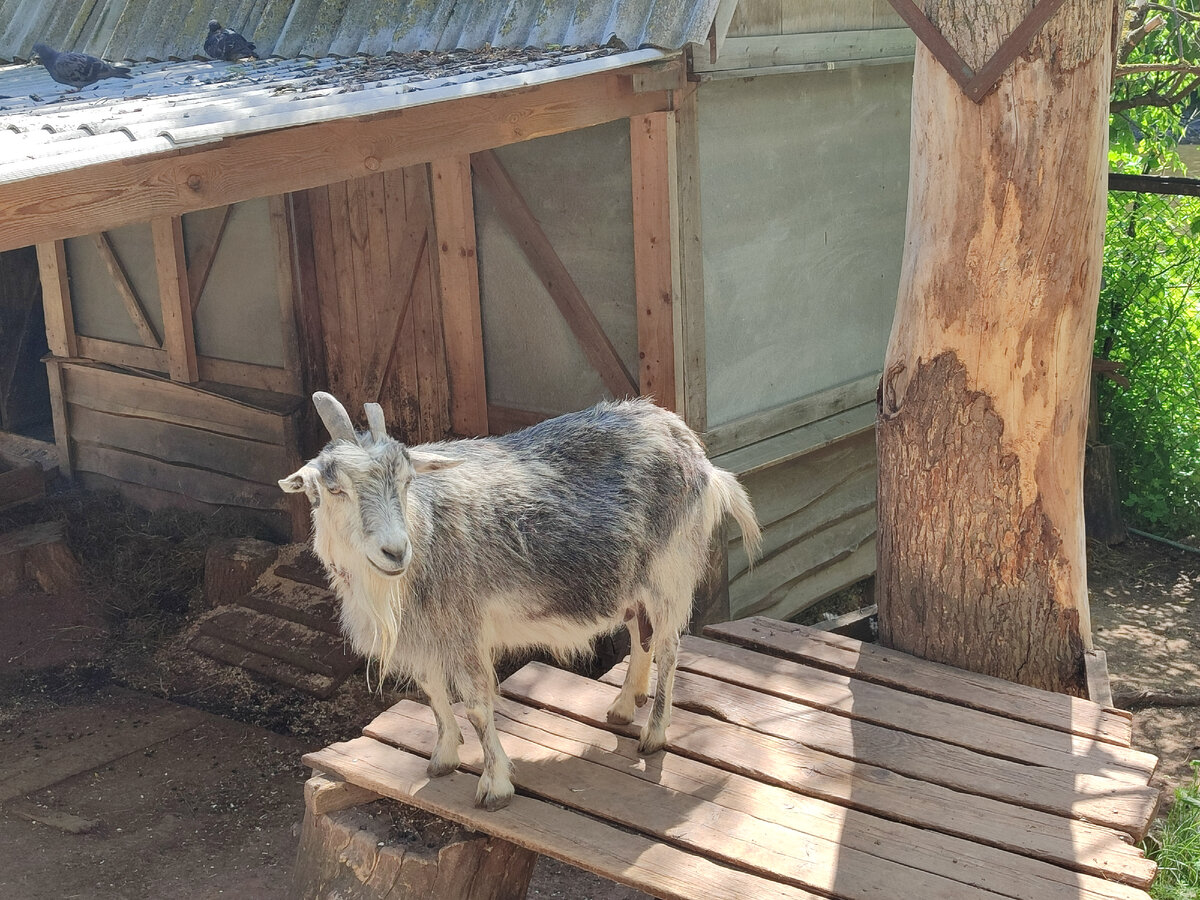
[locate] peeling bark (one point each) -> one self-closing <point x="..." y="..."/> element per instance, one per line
<point x="983" y="404"/>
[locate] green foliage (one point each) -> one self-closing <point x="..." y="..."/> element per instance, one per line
<point x="1149" y="320"/>
<point x="1175" y="845"/>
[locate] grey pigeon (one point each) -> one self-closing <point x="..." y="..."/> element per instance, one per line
<point x="226" y="44"/>
<point x="77" y="69"/>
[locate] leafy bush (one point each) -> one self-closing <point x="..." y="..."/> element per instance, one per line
<point x="1175" y="845"/>
<point x="1149" y="320"/>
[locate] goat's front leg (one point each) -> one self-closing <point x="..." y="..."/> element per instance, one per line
<point x="654" y="732"/>
<point x="445" y="752"/>
<point x="635" y="690"/>
<point x="495" y="785"/>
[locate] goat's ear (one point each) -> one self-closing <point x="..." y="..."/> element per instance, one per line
<point x="303" y="479"/>
<point x="424" y="461"/>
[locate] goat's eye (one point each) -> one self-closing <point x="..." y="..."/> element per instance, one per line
<point x="334" y="489"/>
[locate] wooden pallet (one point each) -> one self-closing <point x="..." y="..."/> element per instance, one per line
<point x="800" y="763"/>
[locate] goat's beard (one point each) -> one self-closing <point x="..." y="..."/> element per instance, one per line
<point x="385" y="633"/>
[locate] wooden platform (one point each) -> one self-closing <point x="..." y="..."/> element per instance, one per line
<point x="800" y="763"/>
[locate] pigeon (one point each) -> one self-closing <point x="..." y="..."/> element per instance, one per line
<point x="77" y="70"/>
<point x="227" y="44"/>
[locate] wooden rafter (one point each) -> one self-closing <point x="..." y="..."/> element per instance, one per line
<point x="129" y="297"/>
<point x="203" y="255"/>
<point x="458" y="275"/>
<point x="68" y="204"/>
<point x="554" y="275"/>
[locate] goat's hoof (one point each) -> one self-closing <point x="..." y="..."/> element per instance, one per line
<point x="494" y="799"/>
<point x="640" y="699"/>
<point x="651" y="742"/>
<point x="618" y="716"/>
<point x="437" y="769"/>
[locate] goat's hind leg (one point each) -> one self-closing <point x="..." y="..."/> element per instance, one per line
<point x="636" y="688"/>
<point x="654" y="732"/>
<point x="495" y="784"/>
<point x="445" y="752"/>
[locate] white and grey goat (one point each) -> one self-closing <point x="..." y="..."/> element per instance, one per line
<point x="447" y="555"/>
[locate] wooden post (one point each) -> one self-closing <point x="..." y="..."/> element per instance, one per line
<point x="458" y="276"/>
<point x="656" y="264"/>
<point x="56" y="299"/>
<point x="691" y="376"/>
<point x="178" y="340"/>
<point x="983" y="401"/>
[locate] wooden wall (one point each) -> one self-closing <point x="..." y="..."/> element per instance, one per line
<point x="171" y="441"/>
<point x="380" y="311"/>
<point x="768" y="17"/>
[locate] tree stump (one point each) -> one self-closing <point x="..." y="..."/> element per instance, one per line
<point x="385" y="850"/>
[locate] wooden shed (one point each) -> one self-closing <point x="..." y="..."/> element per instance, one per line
<point x="479" y="215"/>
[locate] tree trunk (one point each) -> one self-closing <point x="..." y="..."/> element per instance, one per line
<point x="983" y="401"/>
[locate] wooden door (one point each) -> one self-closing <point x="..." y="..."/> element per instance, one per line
<point x="378" y="300"/>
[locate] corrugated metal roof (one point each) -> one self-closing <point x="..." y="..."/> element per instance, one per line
<point x="142" y="30"/>
<point x="46" y="128"/>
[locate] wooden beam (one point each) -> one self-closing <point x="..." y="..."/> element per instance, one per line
<point x="286" y="278"/>
<point x="56" y="299"/>
<point x="178" y="340"/>
<point x="58" y="412"/>
<point x="458" y="276"/>
<point x="553" y="274"/>
<point x="129" y="297"/>
<point x="120" y="354"/>
<point x="203" y="255"/>
<point x="655" y="263"/>
<point x="108" y="194"/>
<point x="690" y="353"/>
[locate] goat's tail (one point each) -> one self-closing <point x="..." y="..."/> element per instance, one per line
<point x="732" y="499"/>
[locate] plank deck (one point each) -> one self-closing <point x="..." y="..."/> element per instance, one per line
<point x="786" y="776"/>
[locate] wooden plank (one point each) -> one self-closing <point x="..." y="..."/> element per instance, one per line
<point x="58" y="414"/>
<point x="458" y="277"/>
<point x="631" y="859"/>
<point x="324" y="794"/>
<point x="1099" y="687"/>
<point x="310" y="334"/>
<point x="757" y="17"/>
<point x="346" y="380"/>
<point x="204" y="251"/>
<point x="1117" y="804"/>
<point x="170" y="442"/>
<point x="690" y="347"/>
<point x="129" y="297"/>
<point x="799" y="441"/>
<point x="822" y="574"/>
<point x="401" y="395"/>
<point x="123" y="393"/>
<point x="866" y="701"/>
<point x="375" y="280"/>
<point x="780" y="419"/>
<point x="538" y="250"/>
<point x="198" y="484"/>
<point x="1042" y="835"/>
<point x="426" y="320"/>
<point x="692" y="821"/>
<point x="327" y="303"/>
<point x="963" y="860"/>
<point x="655" y="261"/>
<point x="812" y="49"/>
<point x="178" y="340"/>
<point x="105" y="195"/>
<point x="56" y="299"/>
<point x="872" y="662"/>
<point x="119" y="354"/>
<point x="285" y="282"/>
<point x="244" y="374"/>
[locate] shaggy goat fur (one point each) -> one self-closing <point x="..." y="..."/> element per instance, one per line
<point x="445" y="556"/>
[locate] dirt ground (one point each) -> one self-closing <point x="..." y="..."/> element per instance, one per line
<point x="140" y="770"/>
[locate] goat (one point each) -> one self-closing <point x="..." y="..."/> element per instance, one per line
<point x="447" y="555"/>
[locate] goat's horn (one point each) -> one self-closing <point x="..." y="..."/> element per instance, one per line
<point x="375" y="421"/>
<point x="335" y="417"/>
